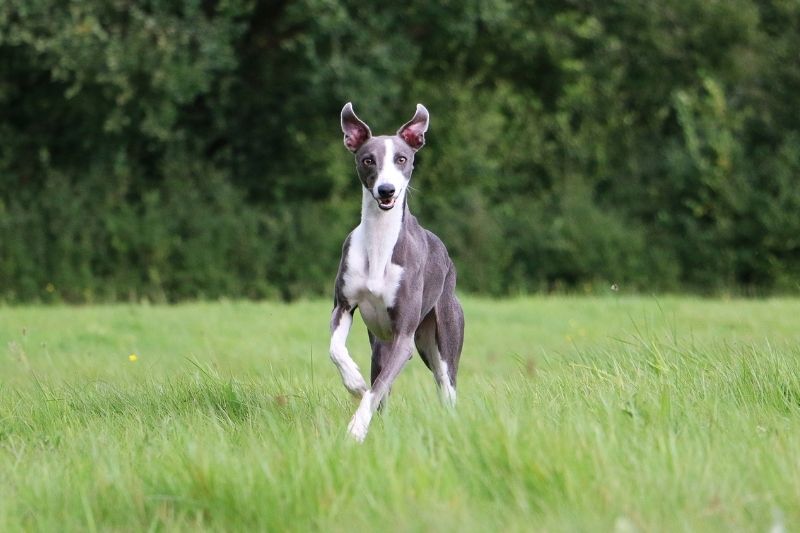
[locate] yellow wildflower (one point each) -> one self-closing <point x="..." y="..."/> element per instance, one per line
<point x="133" y="358"/>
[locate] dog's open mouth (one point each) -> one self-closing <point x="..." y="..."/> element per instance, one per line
<point x="386" y="203"/>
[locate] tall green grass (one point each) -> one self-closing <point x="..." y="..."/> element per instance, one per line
<point x="574" y="414"/>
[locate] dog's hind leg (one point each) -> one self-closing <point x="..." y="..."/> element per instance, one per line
<point x="425" y="339"/>
<point x="438" y="357"/>
<point x="428" y="348"/>
<point x="449" y="338"/>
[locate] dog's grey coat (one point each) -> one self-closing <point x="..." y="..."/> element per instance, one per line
<point x="425" y="311"/>
<point x="426" y="306"/>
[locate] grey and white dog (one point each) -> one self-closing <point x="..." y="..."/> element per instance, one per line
<point x="396" y="272"/>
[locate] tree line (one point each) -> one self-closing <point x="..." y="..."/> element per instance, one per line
<point x="173" y="149"/>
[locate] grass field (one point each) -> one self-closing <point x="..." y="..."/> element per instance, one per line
<point x="574" y="414"/>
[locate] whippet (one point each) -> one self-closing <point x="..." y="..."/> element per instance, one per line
<point x="397" y="274"/>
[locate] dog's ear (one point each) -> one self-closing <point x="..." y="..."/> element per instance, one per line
<point x="356" y="133"/>
<point x="413" y="131"/>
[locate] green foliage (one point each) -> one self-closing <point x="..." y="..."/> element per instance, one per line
<point x="176" y="149"/>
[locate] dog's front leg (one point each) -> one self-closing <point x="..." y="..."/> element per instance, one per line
<point x="397" y="353"/>
<point x="341" y="320"/>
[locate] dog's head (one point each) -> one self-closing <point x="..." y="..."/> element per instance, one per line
<point x="384" y="163"/>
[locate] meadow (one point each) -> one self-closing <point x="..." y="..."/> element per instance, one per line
<point x="615" y="413"/>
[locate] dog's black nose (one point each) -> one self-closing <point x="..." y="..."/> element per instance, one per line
<point x="386" y="190"/>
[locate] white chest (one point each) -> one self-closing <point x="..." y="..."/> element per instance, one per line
<point x="371" y="280"/>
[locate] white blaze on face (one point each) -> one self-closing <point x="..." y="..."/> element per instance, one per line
<point x="389" y="173"/>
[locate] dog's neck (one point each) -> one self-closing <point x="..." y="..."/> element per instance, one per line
<point x="381" y="231"/>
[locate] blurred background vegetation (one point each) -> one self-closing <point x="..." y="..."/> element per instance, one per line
<point x="173" y="149"/>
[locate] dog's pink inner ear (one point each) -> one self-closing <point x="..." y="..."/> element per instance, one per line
<point x="355" y="136"/>
<point x="414" y="136"/>
<point x="413" y="131"/>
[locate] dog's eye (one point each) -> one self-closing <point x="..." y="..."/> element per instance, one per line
<point x="367" y="161"/>
<point x="400" y="160"/>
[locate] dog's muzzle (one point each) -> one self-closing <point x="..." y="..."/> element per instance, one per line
<point x="386" y="203"/>
<point x="386" y="196"/>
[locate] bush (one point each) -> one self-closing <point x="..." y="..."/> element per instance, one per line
<point x="173" y="149"/>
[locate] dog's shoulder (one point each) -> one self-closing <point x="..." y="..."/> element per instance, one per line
<point x="339" y="284"/>
<point x="346" y="244"/>
<point x="436" y="246"/>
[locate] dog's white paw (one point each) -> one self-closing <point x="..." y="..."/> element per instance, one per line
<point x="354" y="383"/>
<point x="448" y="395"/>
<point x="357" y="429"/>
